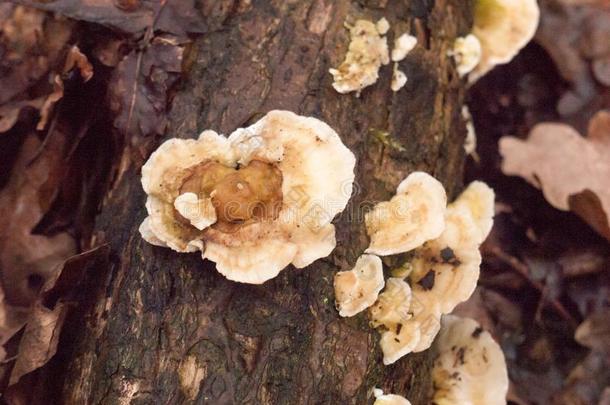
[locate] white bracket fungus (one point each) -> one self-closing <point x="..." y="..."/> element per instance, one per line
<point x="470" y="368"/>
<point x="391" y="313"/>
<point x="413" y="216"/>
<point x="503" y="27"/>
<point x="443" y="272"/>
<point x="467" y="53"/>
<point x="399" y="78"/>
<point x="402" y="46"/>
<point x="367" y="51"/>
<point x="357" y="289"/>
<point x="470" y="142"/>
<point x="254" y="202"/>
<point x="388" y="399"/>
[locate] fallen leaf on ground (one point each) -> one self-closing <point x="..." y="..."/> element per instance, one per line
<point x="74" y="60"/>
<point x="594" y="332"/>
<point x="140" y="84"/>
<point x="573" y="172"/>
<point x="575" y="35"/>
<point x="39" y="341"/>
<point x="27" y="259"/>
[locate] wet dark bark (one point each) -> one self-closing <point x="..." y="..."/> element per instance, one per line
<point x="157" y="327"/>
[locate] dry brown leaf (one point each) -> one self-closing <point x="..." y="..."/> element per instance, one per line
<point x="9" y="113"/>
<point x="573" y="172"/>
<point x="594" y="332"/>
<point x="49" y="103"/>
<point x="140" y="84"/>
<point x="575" y="34"/>
<point x="28" y="259"/>
<point x="41" y="335"/>
<point x="31" y="41"/>
<point x="39" y="341"/>
<point x="77" y="60"/>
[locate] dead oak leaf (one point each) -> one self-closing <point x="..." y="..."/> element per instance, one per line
<point x="572" y="171"/>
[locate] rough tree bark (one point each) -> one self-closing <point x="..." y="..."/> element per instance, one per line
<point x="157" y="327"/>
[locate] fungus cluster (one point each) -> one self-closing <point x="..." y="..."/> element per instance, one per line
<point x="444" y="261"/>
<point x="366" y="53"/>
<point x="253" y="202"/>
<point x="501" y="28"/>
<point x="470" y="368"/>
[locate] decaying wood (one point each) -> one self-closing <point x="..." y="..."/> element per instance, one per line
<point x="157" y="327"/>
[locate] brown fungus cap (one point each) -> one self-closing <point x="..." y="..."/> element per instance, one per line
<point x="253" y="202"/>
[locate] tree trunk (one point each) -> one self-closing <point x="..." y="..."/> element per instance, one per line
<point x="158" y="327"/>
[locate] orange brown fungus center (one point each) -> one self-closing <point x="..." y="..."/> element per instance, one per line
<point x="250" y="192"/>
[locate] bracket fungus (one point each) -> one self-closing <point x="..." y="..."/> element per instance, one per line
<point x="503" y="27"/>
<point x="399" y="78"/>
<point x="389" y="399"/>
<point x="413" y="216"/>
<point x="357" y="289"/>
<point x="391" y="313"/>
<point x="467" y="53"/>
<point x="470" y="368"/>
<point x="443" y="272"/>
<point x="402" y="46"/>
<point x="367" y="52"/>
<point x="253" y="202"/>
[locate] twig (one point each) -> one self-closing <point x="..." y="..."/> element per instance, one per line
<point x="524" y="271"/>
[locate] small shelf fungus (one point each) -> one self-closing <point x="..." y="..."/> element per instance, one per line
<point x="389" y="399"/>
<point x="413" y="216"/>
<point x="357" y="289"/>
<point x="503" y="27"/>
<point x="367" y="52"/>
<point x="399" y="78"/>
<point x="254" y="202"/>
<point x="402" y="46"/>
<point x="443" y="271"/>
<point x="467" y="53"/>
<point x="390" y="314"/>
<point x="470" y="368"/>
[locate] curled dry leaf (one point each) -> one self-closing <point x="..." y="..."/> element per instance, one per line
<point x="573" y="172"/>
<point x="41" y="335"/>
<point x="39" y="341"/>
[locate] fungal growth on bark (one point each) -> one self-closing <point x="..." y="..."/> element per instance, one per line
<point x="467" y="53"/>
<point x="413" y="216"/>
<point x="388" y="399"/>
<point x="367" y="52"/>
<point x="503" y="27"/>
<point x="402" y="46"/>
<point x="389" y="314"/>
<point x="470" y="368"/>
<point x="443" y="270"/>
<point x="399" y="78"/>
<point x="253" y="202"/>
<point x="357" y="289"/>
